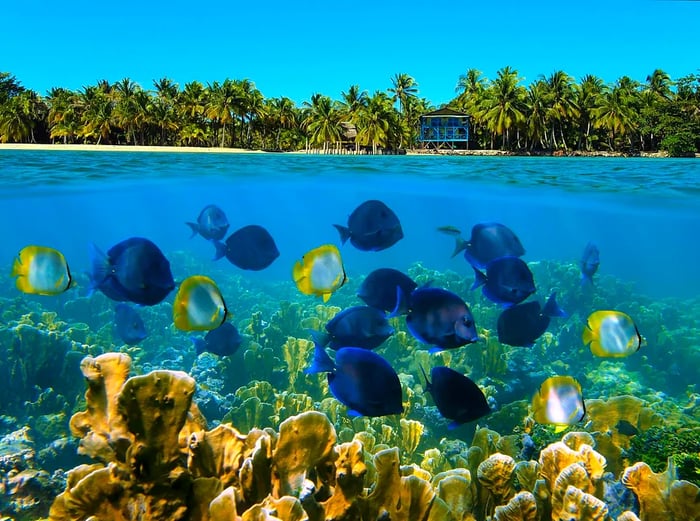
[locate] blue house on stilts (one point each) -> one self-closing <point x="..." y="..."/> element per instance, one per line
<point x="444" y="129"/>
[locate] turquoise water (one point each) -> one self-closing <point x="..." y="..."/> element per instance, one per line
<point x="644" y="215"/>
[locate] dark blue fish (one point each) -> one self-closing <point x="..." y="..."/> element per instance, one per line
<point x="250" y="248"/>
<point x="457" y="397"/>
<point x="211" y="224"/>
<point x="387" y="289"/>
<point x="626" y="428"/>
<point x="129" y="325"/>
<point x="361" y="380"/>
<point x="372" y="226"/>
<point x="522" y="324"/>
<point x="508" y="281"/>
<point x="133" y="270"/>
<point x="222" y="341"/>
<point x="489" y="241"/>
<point x="590" y="260"/>
<point x="439" y="317"/>
<point x="357" y="326"/>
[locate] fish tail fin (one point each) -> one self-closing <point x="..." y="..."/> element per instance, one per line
<point x="321" y="363"/>
<point x="219" y="250"/>
<point x="319" y="337"/>
<point x="586" y="281"/>
<point x="199" y="345"/>
<point x="195" y="228"/>
<point x="99" y="267"/>
<point x="344" y="232"/>
<point x="480" y="279"/>
<point x="460" y="245"/>
<point x="552" y="309"/>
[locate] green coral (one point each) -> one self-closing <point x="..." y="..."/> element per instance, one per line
<point x="655" y="445"/>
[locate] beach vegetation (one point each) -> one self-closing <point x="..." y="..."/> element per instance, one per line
<point x="555" y="113"/>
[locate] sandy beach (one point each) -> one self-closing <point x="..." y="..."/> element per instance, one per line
<point x="125" y="148"/>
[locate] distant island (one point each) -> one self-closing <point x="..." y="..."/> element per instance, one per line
<point x="554" y="115"/>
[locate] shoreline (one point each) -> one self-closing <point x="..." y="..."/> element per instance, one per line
<point x="217" y="150"/>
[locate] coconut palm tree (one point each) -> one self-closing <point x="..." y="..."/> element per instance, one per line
<point x="95" y="113"/>
<point x="403" y="87"/>
<point x="63" y="119"/>
<point x="561" y="100"/>
<point x="536" y="119"/>
<point x="615" y="113"/>
<point x="503" y="106"/>
<point x="223" y="102"/>
<point x="588" y="95"/>
<point x="322" y="121"/>
<point x="283" y="114"/>
<point x="20" y="115"/>
<point x="377" y="122"/>
<point x="126" y="110"/>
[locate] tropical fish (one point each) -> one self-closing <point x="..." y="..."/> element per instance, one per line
<point x="198" y="305"/>
<point x="40" y="270"/>
<point x="626" y="428"/>
<point x="372" y="226"/>
<point x="222" y="341"/>
<point x="129" y="324"/>
<point x="361" y="380"/>
<point x="250" y="248"/>
<point x="211" y="224"/>
<point x="611" y="334"/>
<point x="357" y="326"/>
<point x="439" y="317"/>
<point x="387" y="289"/>
<point x="590" y="260"/>
<point x="522" y="324"/>
<point x="319" y="272"/>
<point x="507" y="281"/>
<point x="457" y="397"/>
<point x="489" y="241"/>
<point x="559" y="401"/>
<point x="133" y="270"/>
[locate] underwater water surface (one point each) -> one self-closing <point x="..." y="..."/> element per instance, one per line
<point x="643" y="215"/>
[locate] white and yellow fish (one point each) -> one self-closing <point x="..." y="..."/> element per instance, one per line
<point x="41" y="270"/>
<point x="611" y="334"/>
<point x="198" y="305"/>
<point x="320" y="272"/>
<point x="559" y="402"/>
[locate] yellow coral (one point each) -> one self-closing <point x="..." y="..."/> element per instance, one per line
<point x="651" y="490"/>
<point x="295" y="352"/>
<point x="606" y="415"/>
<point x="557" y="456"/>
<point x="454" y="487"/>
<point x="411" y="435"/>
<point x="495" y="474"/>
<point x="522" y="507"/>
<point x="685" y="501"/>
<point x="579" y="506"/>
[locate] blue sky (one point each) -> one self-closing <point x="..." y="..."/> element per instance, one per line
<point x="297" y="48"/>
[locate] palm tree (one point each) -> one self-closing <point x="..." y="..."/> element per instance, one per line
<point x="615" y="113"/>
<point x="471" y="89"/>
<point x="283" y="114"/>
<point x="126" y="110"/>
<point x="223" y="101"/>
<point x="403" y="87"/>
<point x="96" y="113"/>
<point x="588" y="96"/>
<point x="503" y="106"/>
<point x="376" y="122"/>
<point x="322" y="121"/>
<point x="561" y="100"/>
<point x="536" y="120"/>
<point x="63" y="120"/>
<point x="19" y="116"/>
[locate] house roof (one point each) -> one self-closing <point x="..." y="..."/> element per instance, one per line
<point x="445" y="112"/>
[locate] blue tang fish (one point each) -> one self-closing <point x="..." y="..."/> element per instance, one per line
<point x="211" y="224"/>
<point x="129" y="324"/>
<point x="372" y="226"/>
<point x="457" y="397"/>
<point x="222" y="341"/>
<point x="590" y="260"/>
<point x="357" y="326"/>
<point x="489" y="241"/>
<point x="250" y="248"/>
<point x="361" y="380"/>
<point x="507" y="281"/>
<point x="133" y="270"/>
<point x="387" y="289"/>
<point x="522" y="324"/>
<point x="439" y="317"/>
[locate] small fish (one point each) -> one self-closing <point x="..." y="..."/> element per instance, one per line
<point x="611" y="334"/>
<point x="439" y="317"/>
<point x="457" y="397"/>
<point x="361" y="380"/>
<point x="590" y="260"/>
<point x="129" y="324"/>
<point x="387" y="289"/>
<point x="372" y="226"/>
<point x="198" y="305"/>
<point x="320" y="272"/>
<point x="41" y="270"/>
<point x="357" y="326"/>
<point x="559" y="401"/>
<point x="626" y="428"/>
<point x="507" y="281"/>
<point x="211" y="224"/>
<point x="522" y="324"/>
<point x="222" y="341"/>
<point x="250" y="248"/>
<point x="488" y="242"/>
<point x="450" y="230"/>
<point x="133" y="270"/>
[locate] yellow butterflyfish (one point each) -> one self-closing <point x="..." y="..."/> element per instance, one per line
<point x="198" y="305"/>
<point x="41" y="270"/>
<point x="611" y="334"/>
<point x="320" y="272"/>
<point x="559" y="402"/>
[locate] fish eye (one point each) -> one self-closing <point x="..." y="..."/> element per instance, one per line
<point x="468" y="322"/>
